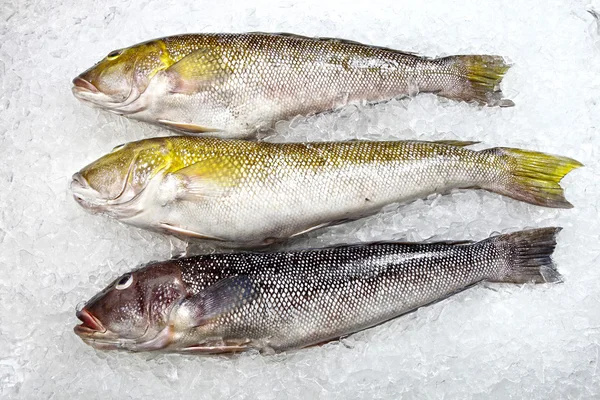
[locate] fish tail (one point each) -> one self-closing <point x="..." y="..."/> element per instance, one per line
<point x="531" y="176"/>
<point x="528" y="256"/>
<point x="482" y="75"/>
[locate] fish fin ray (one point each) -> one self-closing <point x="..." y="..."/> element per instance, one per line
<point x="218" y="346"/>
<point x="187" y="127"/>
<point x="533" y="177"/>
<point x="212" y="349"/>
<point x="318" y="226"/>
<point x="456" y="143"/>
<point x="482" y="75"/>
<point x="218" y="299"/>
<point x="529" y="256"/>
<point x="176" y="230"/>
<point x="196" y="71"/>
<point x="200" y="180"/>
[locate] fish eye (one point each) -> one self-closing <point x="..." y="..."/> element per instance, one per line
<point x="114" y="54"/>
<point x="124" y="282"/>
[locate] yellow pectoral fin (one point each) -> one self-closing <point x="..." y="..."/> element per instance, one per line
<point x="187" y="127"/>
<point x="197" y="71"/>
<point x="208" y="178"/>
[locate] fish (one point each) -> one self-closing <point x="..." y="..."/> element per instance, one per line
<point x="235" y="85"/>
<point x="280" y="301"/>
<point x="249" y="193"/>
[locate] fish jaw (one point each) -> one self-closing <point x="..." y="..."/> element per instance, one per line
<point x="83" y="86"/>
<point x="88" y="94"/>
<point x="85" y="195"/>
<point x="90" y="324"/>
<point x="128" y="205"/>
<point x="93" y="333"/>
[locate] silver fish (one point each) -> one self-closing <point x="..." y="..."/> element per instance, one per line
<point x="287" y="300"/>
<point x="231" y="85"/>
<point x="256" y="193"/>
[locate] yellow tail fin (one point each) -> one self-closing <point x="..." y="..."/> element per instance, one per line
<point x="483" y="74"/>
<point x="533" y="176"/>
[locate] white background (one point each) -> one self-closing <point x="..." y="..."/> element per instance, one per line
<point x="493" y="340"/>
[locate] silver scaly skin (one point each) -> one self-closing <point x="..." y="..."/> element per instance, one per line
<point x="286" y="300"/>
<point x="232" y="85"/>
<point x="257" y="193"/>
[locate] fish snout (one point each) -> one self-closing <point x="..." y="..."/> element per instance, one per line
<point x="78" y="186"/>
<point x="78" y="182"/>
<point x="80" y="84"/>
<point x="82" y="192"/>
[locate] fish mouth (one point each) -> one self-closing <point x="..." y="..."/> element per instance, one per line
<point x="81" y="85"/>
<point x="90" y="324"/>
<point x="82" y="192"/>
<point x="89" y="94"/>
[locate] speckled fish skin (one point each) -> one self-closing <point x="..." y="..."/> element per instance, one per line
<point x="288" y="300"/>
<point x="256" y="193"/>
<point x="231" y="85"/>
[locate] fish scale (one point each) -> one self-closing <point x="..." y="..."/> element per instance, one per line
<point x="306" y="297"/>
<point x="255" y="193"/>
<point x="313" y="296"/>
<point x="293" y="75"/>
<point x="290" y="299"/>
<point x="233" y="85"/>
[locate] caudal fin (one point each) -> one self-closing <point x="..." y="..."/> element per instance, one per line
<point x="482" y="76"/>
<point x="528" y="256"/>
<point x="532" y="176"/>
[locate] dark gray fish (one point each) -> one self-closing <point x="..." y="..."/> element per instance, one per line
<point x="286" y="300"/>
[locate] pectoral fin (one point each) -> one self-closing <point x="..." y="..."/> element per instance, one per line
<point x="187" y="127"/>
<point x="208" y="178"/>
<point x="223" y="297"/>
<point x="197" y="71"/>
<point x="176" y="230"/>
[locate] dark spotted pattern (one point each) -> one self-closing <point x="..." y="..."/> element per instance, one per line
<point x="307" y="297"/>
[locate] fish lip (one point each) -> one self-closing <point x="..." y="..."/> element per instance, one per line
<point x="90" y="324"/>
<point x="81" y="85"/>
<point x="81" y="190"/>
<point x="78" y="182"/>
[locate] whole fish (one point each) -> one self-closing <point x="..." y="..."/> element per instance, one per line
<point x="256" y="193"/>
<point x="231" y="85"/>
<point x="279" y="301"/>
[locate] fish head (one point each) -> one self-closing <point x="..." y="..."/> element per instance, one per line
<point x="133" y="311"/>
<point x="113" y="184"/>
<point x="122" y="76"/>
